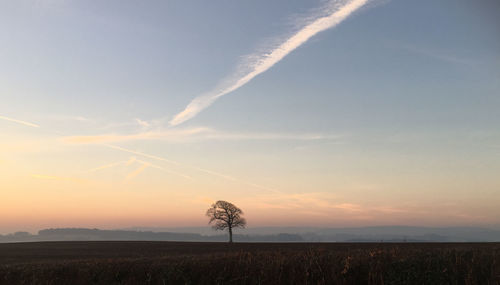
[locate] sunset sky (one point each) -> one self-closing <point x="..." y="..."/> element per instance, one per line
<point x="303" y="113"/>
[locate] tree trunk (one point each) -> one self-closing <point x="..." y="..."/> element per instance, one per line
<point x="230" y="235"/>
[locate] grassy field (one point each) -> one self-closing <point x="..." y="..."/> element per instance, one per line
<point x="249" y="263"/>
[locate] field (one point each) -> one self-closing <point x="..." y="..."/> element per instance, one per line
<point x="249" y="263"/>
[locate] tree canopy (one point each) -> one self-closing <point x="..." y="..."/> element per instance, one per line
<point x="224" y="215"/>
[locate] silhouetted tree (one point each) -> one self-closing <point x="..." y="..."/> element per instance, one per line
<point x="225" y="215"/>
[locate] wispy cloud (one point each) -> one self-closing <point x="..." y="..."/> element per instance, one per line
<point x="47" y="177"/>
<point x="82" y="119"/>
<point x="149" y="164"/>
<point x="142" y="123"/>
<point x="113" y="164"/>
<point x="130" y="161"/>
<point x="322" y="204"/>
<point x="210" y="172"/>
<point x="294" y="201"/>
<point x="19" y="122"/>
<point x="57" y="178"/>
<point x="142" y="154"/>
<point x="196" y="134"/>
<point x="106" y="166"/>
<point x="172" y="135"/>
<point x="348" y="207"/>
<point x="441" y="55"/>
<point x="134" y="160"/>
<point x="137" y="171"/>
<point x="260" y="64"/>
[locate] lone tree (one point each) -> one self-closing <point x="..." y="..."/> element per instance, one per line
<point x="224" y="215"/>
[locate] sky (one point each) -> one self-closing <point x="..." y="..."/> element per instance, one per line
<point x="303" y="113"/>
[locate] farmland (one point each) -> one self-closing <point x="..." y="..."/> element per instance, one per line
<point x="249" y="263"/>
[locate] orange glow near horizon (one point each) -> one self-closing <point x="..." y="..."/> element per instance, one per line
<point x="317" y="113"/>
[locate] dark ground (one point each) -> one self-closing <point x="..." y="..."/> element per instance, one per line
<point x="248" y="263"/>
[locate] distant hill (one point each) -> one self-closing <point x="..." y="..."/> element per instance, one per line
<point x="268" y="234"/>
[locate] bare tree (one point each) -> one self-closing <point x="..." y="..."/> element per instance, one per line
<point x="224" y="215"/>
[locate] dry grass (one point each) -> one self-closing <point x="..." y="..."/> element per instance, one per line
<point x="206" y="263"/>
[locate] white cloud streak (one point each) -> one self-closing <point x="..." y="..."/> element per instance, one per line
<point x="210" y="172"/>
<point x="137" y="171"/>
<point x="213" y="173"/>
<point x="142" y="154"/>
<point x="19" y="122"/>
<point x="149" y="164"/>
<point x="57" y="178"/>
<point x="133" y="160"/>
<point x="106" y="166"/>
<point x="262" y="63"/>
<point x="143" y="123"/>
<point x="196" y="134"/>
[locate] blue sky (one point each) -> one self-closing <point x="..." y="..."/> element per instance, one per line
<point x="400" y="62"/>
<point x="401" y="97"/>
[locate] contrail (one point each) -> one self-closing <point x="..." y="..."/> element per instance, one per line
<point x="107" y="166"/>
<point x="142" y="154"/>
<point x="19" y="122"/>
<point x="170" y="161"/>
<point x="137" y="171"/>
<point x="267" y="60"/>
<point x="131" y="161"/>
<point x="213" y="173"/>
<point x="163" y="169"/>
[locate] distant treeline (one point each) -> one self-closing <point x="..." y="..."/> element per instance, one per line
<point x="364" y="234"/>
<point x="82" y="234"/>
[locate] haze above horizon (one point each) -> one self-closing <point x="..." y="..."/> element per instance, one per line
<point x="338" y="113"/>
